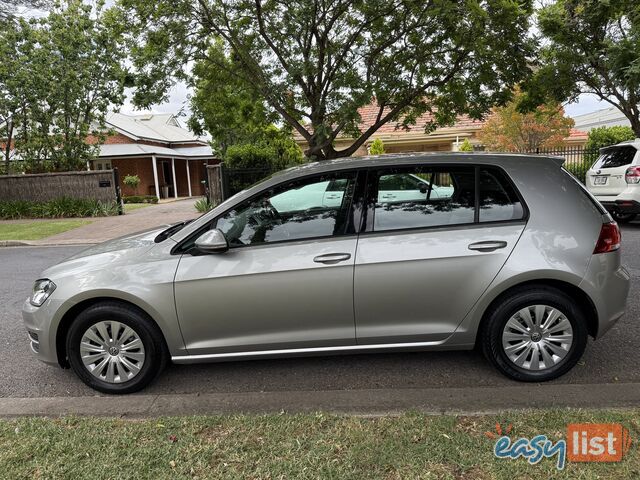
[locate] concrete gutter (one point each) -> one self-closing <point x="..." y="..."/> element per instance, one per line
<point x="476" y="400"/>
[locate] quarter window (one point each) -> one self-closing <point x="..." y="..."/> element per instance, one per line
<point x="299" y="210"/>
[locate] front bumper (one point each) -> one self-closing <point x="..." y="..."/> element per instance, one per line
<point x="37" y="321"/>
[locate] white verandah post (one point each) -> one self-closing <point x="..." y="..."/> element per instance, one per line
<point x="155" y="175"/>
<point x="173" y="174"/>
<point x="186" y="161"/>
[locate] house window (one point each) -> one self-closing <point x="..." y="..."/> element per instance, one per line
<point x="98" y="166"/>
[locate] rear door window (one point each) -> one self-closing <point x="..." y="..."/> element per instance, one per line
<point x="498" y="199"/>
<point x="615" y="157"/>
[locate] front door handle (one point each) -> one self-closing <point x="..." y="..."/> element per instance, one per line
<point x="488" y="246"/>
<point x="332" y="258"/>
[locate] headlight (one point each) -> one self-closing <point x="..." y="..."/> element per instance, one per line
<point x="42" y="289"/>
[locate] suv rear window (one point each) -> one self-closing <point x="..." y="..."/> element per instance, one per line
<point x="615" y="157"/>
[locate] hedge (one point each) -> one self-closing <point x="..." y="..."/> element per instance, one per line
<point x="140" y="199"/>
<point x="58" y="208"/>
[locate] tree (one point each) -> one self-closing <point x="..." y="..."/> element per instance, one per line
<point x="63" y="73"/>
<point x="508" y="129"/>
<point x="224" y="106"/>
<point x="377" y="147"/>
<point x="590" y="47"/>
<point x="315" y="62"/>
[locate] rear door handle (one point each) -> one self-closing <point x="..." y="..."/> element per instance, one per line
<point x="332" y="258"/>
<point x="488" y="246"/>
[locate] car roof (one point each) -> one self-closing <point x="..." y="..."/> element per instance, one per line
<point x="386" y="160"/>
<point x="627" y="143"/>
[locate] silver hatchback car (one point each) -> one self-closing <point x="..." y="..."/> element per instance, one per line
<point x="508" y="253"/>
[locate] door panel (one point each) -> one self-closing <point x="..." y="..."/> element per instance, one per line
<point x="267" y="297"/>
<point x="419" y="285"/>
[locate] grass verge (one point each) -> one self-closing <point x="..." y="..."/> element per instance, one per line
<point x="296" y="446"/>
<point x="37" y="230"/>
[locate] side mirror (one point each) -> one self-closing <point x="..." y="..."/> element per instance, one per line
<point x="212" y="241"/>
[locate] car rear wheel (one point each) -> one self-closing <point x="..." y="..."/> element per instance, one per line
<point x="535" y="334"/>
<point x="115" y="348"/>
<point x="623" y="217"/>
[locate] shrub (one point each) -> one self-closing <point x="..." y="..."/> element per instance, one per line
<point x="132" y="181"/>
<point x="377" y="147"/>
<point x="59" y="208"/>
<point x="140" y="199"/>
<point x="250" y="156"/>
<point x="578" y="169"/>
<point x="203" y="205"/>
<point x="465" y="146"/>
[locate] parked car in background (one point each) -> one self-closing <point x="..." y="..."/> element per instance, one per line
<point x="392" y="253"/>
<point x="614" y="179"/>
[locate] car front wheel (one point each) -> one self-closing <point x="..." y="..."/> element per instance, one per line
<point x="535" y="334"/>
<point x="115" y="348"/>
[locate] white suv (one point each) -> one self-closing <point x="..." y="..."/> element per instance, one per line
<point x="614" y="179"/>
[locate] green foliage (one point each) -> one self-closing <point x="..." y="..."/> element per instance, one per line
<point x="275" y="152"/>
<point x="203" y="205"/>
<point x="377" y="147"/>
<point x="223" y="105"/>
<point x="579" y="168"/>
<point x="590" y="47"/>
<point x="316" y="63"/>
<point x="59" y="75"/>
<point x="132" y="181"/>
<point x="465" y="146"/>
<point x="140" y="199"/>
<point x="250" y="156"/>
<point x="59" y="208"/>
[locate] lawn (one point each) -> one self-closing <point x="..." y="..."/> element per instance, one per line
<point x="38" y="229"/>
<point x="130" y="207"/>
<point x="296" y="446"/>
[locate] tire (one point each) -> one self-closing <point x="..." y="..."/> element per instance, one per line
<point x="146" y="344"/>
<point x="496" y="334"/>
<point x="623" y="217"/>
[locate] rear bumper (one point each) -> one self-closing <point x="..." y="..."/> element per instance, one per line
<point x="623" y="207"/>
<point x="607" y="284"/>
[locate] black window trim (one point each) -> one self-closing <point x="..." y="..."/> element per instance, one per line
<point x="347" y="231"/>
<point x="372" y="189"/>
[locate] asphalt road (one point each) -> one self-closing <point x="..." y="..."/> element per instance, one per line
<point x="612" y="359"/>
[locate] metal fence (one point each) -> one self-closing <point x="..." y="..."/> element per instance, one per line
<point x="233" y="180"/>
<point x="577" y="159"/>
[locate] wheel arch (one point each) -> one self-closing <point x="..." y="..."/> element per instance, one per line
<point x="71" y="314"/>
<point x="583" y="301"/>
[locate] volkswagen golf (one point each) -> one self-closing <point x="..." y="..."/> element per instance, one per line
<point x="506" y="253"/>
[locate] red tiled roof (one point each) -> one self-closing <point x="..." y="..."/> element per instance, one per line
<point x="368" y="113"/>
<point x="577" y="134"/>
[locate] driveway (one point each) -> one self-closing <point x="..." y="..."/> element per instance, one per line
<point x="609" y="373"/>
<point x="105" y="228"/>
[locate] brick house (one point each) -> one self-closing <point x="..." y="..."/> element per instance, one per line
<point x="169" y="159"/>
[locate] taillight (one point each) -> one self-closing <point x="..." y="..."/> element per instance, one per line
<point x="632" y="175"/>
<point x="609" y="239"/>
